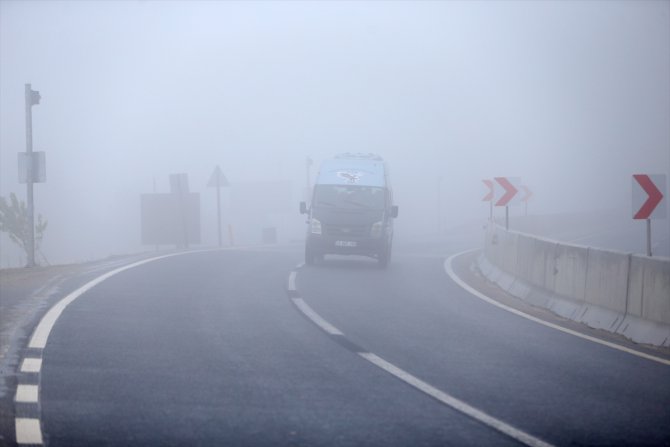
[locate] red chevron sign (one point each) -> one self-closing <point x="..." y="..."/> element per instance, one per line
<point x="511" y="187"/>
<point x="528" y="194"/>
<point x="648" y="196"/>
<point x="488" y="197"/>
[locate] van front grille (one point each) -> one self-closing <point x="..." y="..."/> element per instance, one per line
<point x="347" y="230"/>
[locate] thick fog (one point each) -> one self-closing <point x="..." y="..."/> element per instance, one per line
<point x="573" y="97"/>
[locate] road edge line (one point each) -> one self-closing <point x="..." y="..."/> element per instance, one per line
<point x="454" y="277"/>
<point x="29" y="430"/>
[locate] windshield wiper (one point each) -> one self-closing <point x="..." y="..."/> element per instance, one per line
<point x="321" y="202"/>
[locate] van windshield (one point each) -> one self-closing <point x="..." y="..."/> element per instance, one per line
<point x="350" y="196"/>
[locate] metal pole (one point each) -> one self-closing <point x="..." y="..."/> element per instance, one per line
<point x="154" y="183"/>
<point x="29" y="182"/>
<point x="218" y="209"/>
<point x="507" y="218"/>
<point x="491" y="210"/>
<point x="649" y="237"/>
<point x="231" y="235"/>
<point x="439" y="206"/>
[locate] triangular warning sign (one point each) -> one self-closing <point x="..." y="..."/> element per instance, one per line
<point x="218" y="179"/>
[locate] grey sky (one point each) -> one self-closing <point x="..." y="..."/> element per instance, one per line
<point x="574" y="97"/>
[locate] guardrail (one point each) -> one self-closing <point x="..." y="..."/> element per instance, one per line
<point x="620" y="292"/>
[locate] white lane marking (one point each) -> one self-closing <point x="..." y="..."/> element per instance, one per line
<point x="453" y="402"/>
<point x="43" y="329"/>
<point x="291" y="282"/>
<point x="316" y="318"/>
<point x="28" y="431"/>
<point x="31" y="365"/>
<point x="424" y="387"/>
<point x="26" y="393"/>
<point x="450" y="271"/>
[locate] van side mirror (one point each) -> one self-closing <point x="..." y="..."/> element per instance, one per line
<point x="303" y="208"/>
<point x="394" y="211"/>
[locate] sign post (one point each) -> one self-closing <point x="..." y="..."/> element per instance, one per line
<point x="217" y="180"/>
<point x="528" y="194"/>
<point x="439" y="206"/>
<point x="489" y="197"/>
<point x="511" y="186"/>
<point x="648" y="200"/>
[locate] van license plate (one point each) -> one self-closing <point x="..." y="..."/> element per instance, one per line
<point x="345" y="243"/>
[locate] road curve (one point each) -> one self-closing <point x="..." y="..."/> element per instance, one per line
<point x="206" y="348"/>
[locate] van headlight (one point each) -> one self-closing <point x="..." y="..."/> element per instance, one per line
<point x="376" y="230"/>
<point x="314" y="226"/>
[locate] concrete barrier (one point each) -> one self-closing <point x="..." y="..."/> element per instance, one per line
<point x="497" y="242"/>
<point x="508" y="246"/>
<point x="622" y="293"/>
<point x="607" y="279"/>
<point x="545" y="274"/>
<point x="649" y="288"/>
<point x="491" y="244"/>
<point x="635" y="286"/>
<point x="648" y="301"/>
<point x="527" y="257"/>
<point x="570" y="271"/>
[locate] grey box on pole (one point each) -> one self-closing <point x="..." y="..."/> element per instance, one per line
<point x="39" y="167"/>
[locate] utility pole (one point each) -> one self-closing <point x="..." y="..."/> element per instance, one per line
<point x="218" y="214"/>
<point x="32" y="98"/>
<point x="439" y="206"/>
<point x="649" y="237"/>
<point x="217" y="180"/>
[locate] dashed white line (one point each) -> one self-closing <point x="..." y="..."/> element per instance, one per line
<point x="291" y="281"/>
<point x="450" y="271"/>
<point x="316" y="318"/>
<point x="31" y="365"/>
<point x="28" y="431"/>
<point x="422" y="386"/>
<point x="26" y="393"/>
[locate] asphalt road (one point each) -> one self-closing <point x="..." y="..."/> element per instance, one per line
<point x="209" y="349"/>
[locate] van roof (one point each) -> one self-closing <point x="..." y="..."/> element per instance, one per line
<point x="360" y="156"/>
<point x="352" y="171"/>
